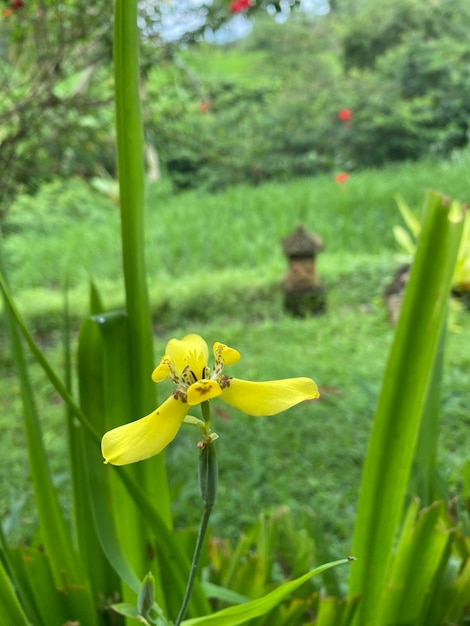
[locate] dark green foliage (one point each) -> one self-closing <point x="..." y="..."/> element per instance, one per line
<point x="393" y="21"/>
<point x="55" y="93"/>
<point x="248" y="112"/>
<point x="415" y="100"/>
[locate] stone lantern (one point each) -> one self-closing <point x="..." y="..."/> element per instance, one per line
<point x="303" y="292"/>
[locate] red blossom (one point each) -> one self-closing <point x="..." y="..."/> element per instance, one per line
<point x="342" y="177"/>
<point x="238" y="6"/>
<point x="7" y="12"/>
<point x="204" y="106"/>
<point x="16" y="4"/>
<point x="344" y="115"/>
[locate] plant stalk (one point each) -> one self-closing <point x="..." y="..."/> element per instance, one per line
<point x="195" y="562"/>
<point x="208" y="486"/>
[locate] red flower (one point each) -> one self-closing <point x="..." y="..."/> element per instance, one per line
<point x="238" y="6"/>
<point x="7" y="12"/>
<point x="342" y="177"/>
<point x="204" y="106"/>
<point x="344" y="115"/>
<point x="16" y="4"/>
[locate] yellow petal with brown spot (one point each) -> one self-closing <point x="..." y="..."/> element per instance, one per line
<point x="203" y="390"/>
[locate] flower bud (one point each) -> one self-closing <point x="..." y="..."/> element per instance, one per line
<point x="146" y="595"/>
<point x="208" y="474"/>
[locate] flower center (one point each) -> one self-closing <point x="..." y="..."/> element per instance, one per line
<point x="194" y="372"/>
<point x="194" y="381"/>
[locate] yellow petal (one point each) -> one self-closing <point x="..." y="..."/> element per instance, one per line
<point x="145" y="437"/>
<point x="228" y="356"/>
<point x="162" y="371"/>
<point x="203" y="390"/>
<point x="268" y="398"/>
<point x="191" y="351"/>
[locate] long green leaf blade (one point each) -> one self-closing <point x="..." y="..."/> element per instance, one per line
<point x="11" y="612"/>
<point x="235" y="615"/>
<point x="169" y="548"/>
<point x="400" y="409"/>
<point x="91" y="385"/>
<point x="100" y="338"/>
<point x="131" y="169"/>
<point x="418" y="566"/>
<point x="66" y="566"/>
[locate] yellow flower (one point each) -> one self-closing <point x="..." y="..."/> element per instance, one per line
<point x="185" y="363"/>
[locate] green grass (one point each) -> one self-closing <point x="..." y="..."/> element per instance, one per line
<point x="216" y="267"/>
<point x="69" y="229"/>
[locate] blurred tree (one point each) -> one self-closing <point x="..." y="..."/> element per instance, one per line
<point x="392" y="21"/>
<point x="56" y="111"/>
<point x="251" y="110"/>
<point x="52" y="98"/>
<point x="264" y="106"/>
<point x="410" y="86"/>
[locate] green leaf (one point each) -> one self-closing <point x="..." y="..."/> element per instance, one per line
<point x="129" y="610"/>
<point x="409" y="217"/>
<point x="53" y="377"/>
<point x="124" y="518"/>
<point x="13" y="563"/>
<point x="91" y="373"/>
<point x="103" y="579"/>
<point x="403" y="238"/>
<point x="43" y="601"/>
<point x="330" y="611"/>
<point x="455" y="596"/>
<point x="240" y="614"/>
<point x="217" y="592"/>
<point x="401" y="404"/>
<point x="424" y="482"/>
<point x="11" y="611"/>
<point x="130" y="148"/>
<point x="66" y="566"/>
<point x="418" y="566"/>
<point x="170" y="553"/>
<point x="146" y="595"/>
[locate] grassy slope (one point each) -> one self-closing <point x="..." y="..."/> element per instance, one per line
<point x="215" y="268"/>
<point x="233" y="237"/>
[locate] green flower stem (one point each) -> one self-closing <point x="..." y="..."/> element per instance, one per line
<point x="197" y="553"/>
<point x="208" y="486"/>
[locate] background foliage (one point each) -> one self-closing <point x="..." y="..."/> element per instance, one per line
<point x="262" y="107"/>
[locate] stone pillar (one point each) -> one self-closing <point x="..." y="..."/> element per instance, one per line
<point x="303" y="292"/>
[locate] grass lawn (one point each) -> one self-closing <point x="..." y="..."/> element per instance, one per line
<point x="215" y="268"/>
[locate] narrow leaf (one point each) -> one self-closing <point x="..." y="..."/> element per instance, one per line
<point x="417" y="566"/>
<point x="235" y="615"/>
<point x="401" y="403"/>
<point x="66" y="566"/>
<point x="130" y="148"/>
<point x="11" y="611"/>
<point x="217" y="592"/>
